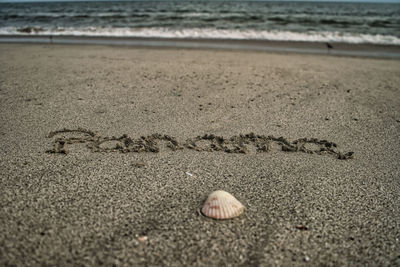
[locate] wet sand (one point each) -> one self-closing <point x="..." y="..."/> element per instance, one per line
<point x="315" y="48"/>
<point x="107" y="154"/>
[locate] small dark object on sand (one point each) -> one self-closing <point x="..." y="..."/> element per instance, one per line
<point x="328" y="47"/>
<point x="139" y="164"/>
<point x="302" y="227"/>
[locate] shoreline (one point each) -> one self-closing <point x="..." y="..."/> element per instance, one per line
<point x="299" y="47"/>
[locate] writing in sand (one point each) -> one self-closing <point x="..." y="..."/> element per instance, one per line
<point x="208" y="142"/>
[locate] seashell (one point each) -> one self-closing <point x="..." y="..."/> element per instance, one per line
<point x="222" y="205"/>
<point x="142" y="238"/>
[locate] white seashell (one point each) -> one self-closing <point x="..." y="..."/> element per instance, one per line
<point x="142" y="238"/>
<point x="222" y="205"/>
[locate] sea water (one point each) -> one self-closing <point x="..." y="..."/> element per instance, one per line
<point x="375" y="23"/>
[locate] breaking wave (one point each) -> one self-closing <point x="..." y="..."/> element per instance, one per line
<point x="205" y="33"/>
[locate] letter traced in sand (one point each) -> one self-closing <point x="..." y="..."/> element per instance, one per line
<point x="208" y="142"/>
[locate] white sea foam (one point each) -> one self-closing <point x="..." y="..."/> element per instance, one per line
<point x="204" y="33"/>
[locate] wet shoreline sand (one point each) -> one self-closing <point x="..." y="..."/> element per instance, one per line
<point x="138" y="207"/>
<point x="317" y="48"/>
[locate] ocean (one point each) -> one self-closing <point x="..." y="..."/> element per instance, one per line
<point x="254" y="20"/>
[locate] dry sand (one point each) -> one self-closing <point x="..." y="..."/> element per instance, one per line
<point x="103" y="203"/>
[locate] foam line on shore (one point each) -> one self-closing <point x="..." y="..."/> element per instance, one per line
<point x="207" y="33"/>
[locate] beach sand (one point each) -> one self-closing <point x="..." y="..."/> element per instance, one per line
<point x="104" y="204"/>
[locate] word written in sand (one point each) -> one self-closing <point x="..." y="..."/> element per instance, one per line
<point x="209" y="142"/>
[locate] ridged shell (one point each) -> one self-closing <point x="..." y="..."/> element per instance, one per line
<point x="222" y="205"/>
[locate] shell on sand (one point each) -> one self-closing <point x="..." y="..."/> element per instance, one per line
<point x="222" y="205"/>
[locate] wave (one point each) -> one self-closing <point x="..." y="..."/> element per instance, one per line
<point x="206" y="33"/>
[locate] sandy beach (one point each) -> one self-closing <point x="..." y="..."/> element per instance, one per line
<point x="78" y="187"/>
